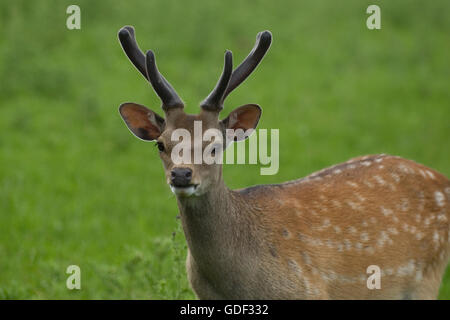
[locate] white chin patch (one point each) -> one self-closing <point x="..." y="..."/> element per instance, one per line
<point x="183" y="192"/>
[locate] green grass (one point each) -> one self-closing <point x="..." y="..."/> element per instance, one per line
<point x="77" y="188"/>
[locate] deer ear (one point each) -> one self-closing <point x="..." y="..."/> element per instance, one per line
<point x="244" y="117"/>
<point x="142" y="122"/>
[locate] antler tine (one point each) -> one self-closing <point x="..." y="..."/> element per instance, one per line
<point x="214" y="101"/>
<point x="146" y="65"/>
<point x="131" y="48"/>
<point x="263" y="41"/>
<point x="163" y="89"/>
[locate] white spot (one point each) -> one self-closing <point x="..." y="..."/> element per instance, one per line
<point x="393" y="231"/>
<point x="441" y="217"/>
<point x="418" y="218"/>
<point x="336" y="203"/>
<point x="436" y="236"/>
<point x="379" y="179"/>
<point x="447" y="191"/>
<point x="419" y="235"/>
<point x="352" y="229"/>
<point x="421" y="201"/>
<point x="364" y="236"/>
<point x="436" y="239"/>
<point x="346" y="279"/>
<point x="347" y="244"/>
<point x="330" y="244"/>
<point x="330" y="276"/>
<point x="403" y="168"/>
<point x="306" y="258"/>
<point x="419" y="275"/>
<point x="316" y="292"/>
<point x="337" y="229"/>
<point x="314" y="271"/>
<point x="404" y="205"/>
<point x="439" y="197"/>
<point x="378" y="160"/>
<point x="351" y="166"/>
<point x="294" y="266"/>
<point x="380" y="167"/>
<point x="366" y="163"/>
<point x="333" y="275"/>
<point x="354" y="205"/>
<point x="337" y="171"/>
<point x="396" y="177"/>
<point x="362" y="278"/>
<point x="368" y="183"/>
<point x="384" y="237"/>
<point x="392" y="187"/>
<point x="407" y="269"/>
<point x="422" y="173"/>
<point x="430" y="174"/>
<point x="385" y="211"/>
<point x="352" y="184"/>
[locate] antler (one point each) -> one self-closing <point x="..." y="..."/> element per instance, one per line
<point x="214" y="101"/>
<point x="147" y="67"/>
<point x="263" y="41"/>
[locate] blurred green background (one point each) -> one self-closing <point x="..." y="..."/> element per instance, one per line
<point x="77" y="188"/>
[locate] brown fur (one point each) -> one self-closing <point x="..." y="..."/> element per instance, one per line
<point x="315" y="237"/>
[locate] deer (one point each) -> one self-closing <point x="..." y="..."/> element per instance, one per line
<point x="310" y="238"/>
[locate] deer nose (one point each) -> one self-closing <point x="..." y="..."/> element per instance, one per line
<point x="181" y="177"/>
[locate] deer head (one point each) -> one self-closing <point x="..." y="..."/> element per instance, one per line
<point x="191" y="178"/>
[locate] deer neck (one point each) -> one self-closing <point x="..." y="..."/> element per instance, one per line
<point x="217" y="225"/>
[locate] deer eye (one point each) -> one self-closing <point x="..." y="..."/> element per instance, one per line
<point x="160" y="146"/>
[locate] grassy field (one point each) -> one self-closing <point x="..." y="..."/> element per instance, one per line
<point x="77" y="188"/>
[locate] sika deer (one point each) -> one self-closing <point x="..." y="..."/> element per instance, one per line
<point x="311" y="238"/>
